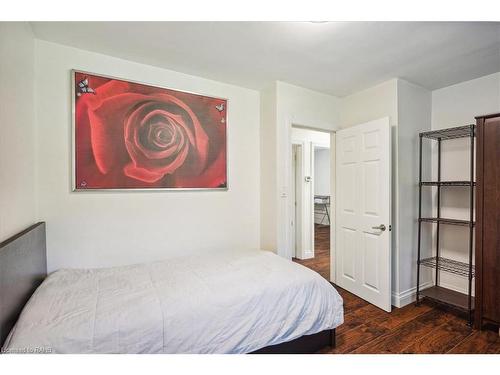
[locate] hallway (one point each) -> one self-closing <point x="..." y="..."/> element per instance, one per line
<point x="321" y="261"/>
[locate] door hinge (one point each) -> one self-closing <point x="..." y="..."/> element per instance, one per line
<point x="390" y="227"/>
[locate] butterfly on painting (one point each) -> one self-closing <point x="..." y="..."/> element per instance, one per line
<point x="220" y="107"/>
<point x="84" y="88"/>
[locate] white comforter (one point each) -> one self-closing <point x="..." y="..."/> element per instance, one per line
<point x="229" y="302"/>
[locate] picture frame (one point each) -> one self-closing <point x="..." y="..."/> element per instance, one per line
<point x="134" y="136"/>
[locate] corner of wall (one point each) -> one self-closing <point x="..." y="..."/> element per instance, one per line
<point x="17" y="128"/>
<point x="414" y="116"/>
<point x="369" y="104"/>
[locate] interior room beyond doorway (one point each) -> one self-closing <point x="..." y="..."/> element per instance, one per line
<point x="312" y="203"/>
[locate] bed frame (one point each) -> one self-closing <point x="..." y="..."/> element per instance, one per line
<point x="308" y="344"/>
<point x="23" y="267"/>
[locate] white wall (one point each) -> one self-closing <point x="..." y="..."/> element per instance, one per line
<point x="321" y="181"/>
<point x="17" y="129"/>
<point x="458" y="104"/>
<point x="94" y="229"/>
<point x="306" y="107"/>
<point x="371" y="104"/>
<point x="322" y="171"/>
<point x="454" y="106"/>
<point x="268" y="169"/>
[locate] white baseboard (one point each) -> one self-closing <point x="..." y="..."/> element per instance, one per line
<point x="408" y="296"/>
<point x="307" y="255"/>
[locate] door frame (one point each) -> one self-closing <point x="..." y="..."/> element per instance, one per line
<point x="299" y="176"/>
<point x="328" y="128"/>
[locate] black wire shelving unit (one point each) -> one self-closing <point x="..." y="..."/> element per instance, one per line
<point x="438" y="293"/>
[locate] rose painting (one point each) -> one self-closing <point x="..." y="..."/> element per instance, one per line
<point x="134" y="136"/>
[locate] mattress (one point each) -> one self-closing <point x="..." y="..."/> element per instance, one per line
<point x="224" y="302"/>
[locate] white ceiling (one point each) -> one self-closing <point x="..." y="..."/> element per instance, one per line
<point x="338" y="58"/>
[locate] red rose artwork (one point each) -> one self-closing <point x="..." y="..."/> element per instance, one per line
<point x="134" y="136"/>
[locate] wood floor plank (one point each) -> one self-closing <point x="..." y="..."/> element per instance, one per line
<point x="359" y="317"/>
<point x="321" y="261"/>
<point x="400" y="316"/>
<point x="441" y="339"/>
<point x="354" y="338"/>
<point x="351" y="302"/>
<point x="396" y="340"/>
<point x="479" y="342"/>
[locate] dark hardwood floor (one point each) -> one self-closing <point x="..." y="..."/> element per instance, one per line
<point x="412" y="329"/>
<point x="321" y="261"/>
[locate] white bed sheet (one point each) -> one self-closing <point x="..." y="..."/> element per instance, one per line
<point x="224" y="302"/>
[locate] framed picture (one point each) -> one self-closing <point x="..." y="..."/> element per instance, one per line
<point x="128" y="136"/>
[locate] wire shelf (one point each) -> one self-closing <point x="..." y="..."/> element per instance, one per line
<point x="448" y="297"/>
<point x="448" y="265"/>
<point x="450" y="133"/>
<point x="464" y="223"/>
<point x="447" y="183"/>
<point x="437" y="292"/>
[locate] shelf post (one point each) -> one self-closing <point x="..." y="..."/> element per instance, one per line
<point x="419" y="216"/>
<point x="471" y="221"/>
<point x="438" y="203"/>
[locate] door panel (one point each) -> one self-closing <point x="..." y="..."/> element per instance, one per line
<point x="348" y="194"/>
<point x="348" y="237"/>
<point x="370" y="184"/>
<point x="370" y="273"/>
<point x="363" y="186"/>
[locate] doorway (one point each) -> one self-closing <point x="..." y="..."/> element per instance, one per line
<point x="360" y="184"/>
<point x="312" y="199"/>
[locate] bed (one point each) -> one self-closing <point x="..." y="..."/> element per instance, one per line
<point x="227" y="302"/>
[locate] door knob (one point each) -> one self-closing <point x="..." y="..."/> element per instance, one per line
<point x="380" y="227"/>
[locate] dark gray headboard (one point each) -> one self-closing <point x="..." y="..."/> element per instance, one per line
<point x="23" y="266"/>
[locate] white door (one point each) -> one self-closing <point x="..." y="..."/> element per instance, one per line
<point x="363" y="207"/>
